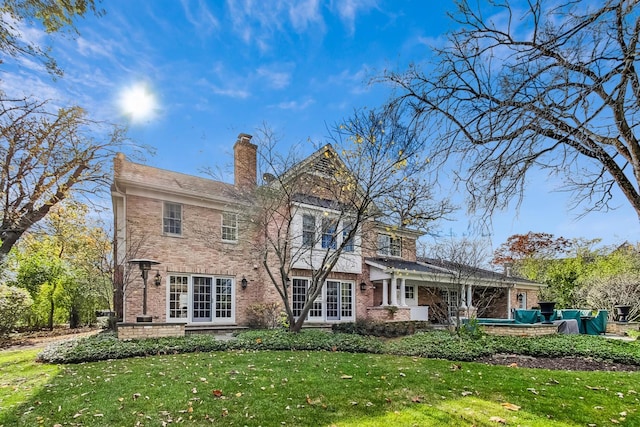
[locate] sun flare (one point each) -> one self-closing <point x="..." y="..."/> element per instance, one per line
<point x="138" y="102"/>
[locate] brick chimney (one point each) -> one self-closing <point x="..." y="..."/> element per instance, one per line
<point x="244" y="158"/>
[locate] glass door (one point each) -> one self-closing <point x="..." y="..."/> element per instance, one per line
<point x="202" y="299"/>
<point x="333" y="300"/>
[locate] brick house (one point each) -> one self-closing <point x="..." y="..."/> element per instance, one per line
<point x="210" y="273"/>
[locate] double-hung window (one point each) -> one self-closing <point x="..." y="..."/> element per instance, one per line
<point x="346" y="229"/>
<point x="329" y="233"/>
<point x="172" y="218"/>
<point x="308" y="230"/>
<point x="230" y="227"/>
<point x="390" y="246"/>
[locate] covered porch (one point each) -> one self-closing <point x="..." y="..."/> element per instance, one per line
<point x="417" y="290"/>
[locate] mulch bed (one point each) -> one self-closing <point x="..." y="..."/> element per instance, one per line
<point x="33" y="339"/>
<point x="556" y="363"/>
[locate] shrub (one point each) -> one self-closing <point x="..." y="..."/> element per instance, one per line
<point x="265" y="316"/>
<point x="106" y="345"/>
<point x="14" y="303"/>
<point x="435" y="344"/>
<point x="382" y="329"/>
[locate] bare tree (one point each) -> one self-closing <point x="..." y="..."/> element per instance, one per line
<point x="55" y="16"/>
<point x="45" y="157"/>
<point x="544" y="86"/>
<point x="353" y="182"/>
<point x="465" y="260"/>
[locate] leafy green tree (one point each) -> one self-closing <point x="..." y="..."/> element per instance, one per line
<point x="53" y="15"/>
<point x="614" y="279"/>
<point x="14" y="303"/>
<point x="63" y="264"/>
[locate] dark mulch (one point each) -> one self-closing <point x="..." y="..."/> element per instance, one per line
<point x="556" y="363"/>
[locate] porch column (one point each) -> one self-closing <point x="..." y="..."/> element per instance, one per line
<point x="463" y="297"/>
<point x="385" y="292"/>
<point x="469" y="296"/>
<point x="509" y="316"/>
<point x="394" y="290"/>
<point x="403" y="300"/>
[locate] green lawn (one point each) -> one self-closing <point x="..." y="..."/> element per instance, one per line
<point x="264" y="388"/>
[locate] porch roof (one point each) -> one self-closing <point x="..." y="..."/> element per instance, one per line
<point x="402" y="265"/>
<point x="437" y="271"/>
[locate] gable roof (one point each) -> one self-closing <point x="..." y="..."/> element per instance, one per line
<point x="128" y="173"/>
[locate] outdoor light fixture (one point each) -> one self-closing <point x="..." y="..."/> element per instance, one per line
<point x="145" y="266"/>
<point x="244" y="282"/>
<point x="158" y="278"/>
<point x="363" y="286"/>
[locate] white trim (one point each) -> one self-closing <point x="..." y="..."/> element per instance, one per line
<point x="322" y="299"/>
<point x="189" y="318"/>
<point x="222" y="226"/>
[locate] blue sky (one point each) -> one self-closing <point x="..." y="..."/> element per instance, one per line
<point x="214" y="69"/>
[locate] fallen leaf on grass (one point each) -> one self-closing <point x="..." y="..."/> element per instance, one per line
<point x="346" y="377"/>
<point x="532" y="390"/>
<point x="498" y="420"/>
<point x="217" y="393"/>
<point x="510" y="406"/>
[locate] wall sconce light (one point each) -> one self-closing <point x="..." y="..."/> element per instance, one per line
<point x="520" y="297"/>
<point x="363" y="286"/>
<point x="157" y="278"/>
<point x="244" y="282"/>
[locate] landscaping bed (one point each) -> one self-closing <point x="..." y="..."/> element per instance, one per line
<point x="566" y="352"/>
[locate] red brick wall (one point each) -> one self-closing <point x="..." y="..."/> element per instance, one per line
<point x="199" y="250"/>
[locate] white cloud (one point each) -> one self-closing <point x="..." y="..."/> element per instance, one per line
<point x="305" y="13"/>
<point x="275" y="79"/>
<point x="259" y="22"/>
<point x="295" y="105"/>
<point x="349" y="9"/>
<point x="200" y="16"/>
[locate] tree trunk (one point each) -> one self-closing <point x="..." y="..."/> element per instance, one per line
<point x="52" y="309"/>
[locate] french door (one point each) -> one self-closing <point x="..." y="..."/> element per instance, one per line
<point x="202" y="299"/>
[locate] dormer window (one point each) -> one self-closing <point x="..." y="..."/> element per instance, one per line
<point x="389" y="246"/>
<point x="329" y="238"/>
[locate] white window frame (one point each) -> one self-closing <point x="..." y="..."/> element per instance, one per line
<point x="329" y="238"/>
<point x="214" y="300"/>
<point x="389" y="245"/>
<point x="349" y="246"/>
<point x="229" y="229"/>
<point x="320" y="304"/>
<point x="309" y="232"/>
<point x="165" y="219"/>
